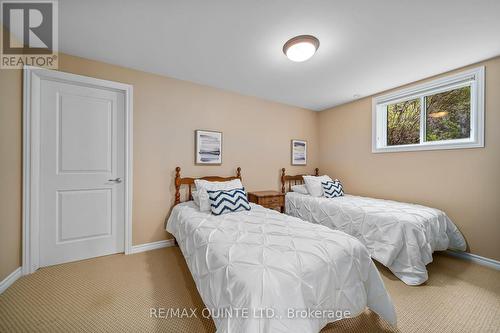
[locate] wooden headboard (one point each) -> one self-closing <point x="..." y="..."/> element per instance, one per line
<point x="292" y="180"/>
<point x="190" y="182"/>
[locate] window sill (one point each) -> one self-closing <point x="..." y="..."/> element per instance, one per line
<point x="429" y="146"/>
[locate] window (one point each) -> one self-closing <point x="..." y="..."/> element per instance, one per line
<point x="446" y="113"/>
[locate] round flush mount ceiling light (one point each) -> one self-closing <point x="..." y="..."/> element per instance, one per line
<point x="301" y="48"/>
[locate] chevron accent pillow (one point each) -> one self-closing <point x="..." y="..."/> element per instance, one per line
<point x="228" y="201"/>
<point x="332" y="189"/>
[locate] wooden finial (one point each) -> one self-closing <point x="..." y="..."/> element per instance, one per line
<point x="283" y="180"/>
<point x="316" y="172"/>
<point x="238" y="172"/>
<point x="177" y="185"/>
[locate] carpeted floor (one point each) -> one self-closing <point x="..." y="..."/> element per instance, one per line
<point x="115" y="294"/>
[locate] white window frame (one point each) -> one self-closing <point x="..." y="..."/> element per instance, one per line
<point x="473" y="78"/>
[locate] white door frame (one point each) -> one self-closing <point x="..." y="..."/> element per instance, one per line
<point x="31" y="156"/>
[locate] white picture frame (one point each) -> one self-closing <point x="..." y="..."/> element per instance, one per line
<point x="299" y="152"/>
<point x="208" y="147"/>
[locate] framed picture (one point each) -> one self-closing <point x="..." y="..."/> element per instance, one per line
<point x="208" y="149"/>
<point x="299" y="152"/>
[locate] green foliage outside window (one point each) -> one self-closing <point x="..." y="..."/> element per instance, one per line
<point x="403" y="123"/>
<point x="447" y="117"/>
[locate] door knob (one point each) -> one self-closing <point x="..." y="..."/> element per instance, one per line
<point x="116" y="180"/>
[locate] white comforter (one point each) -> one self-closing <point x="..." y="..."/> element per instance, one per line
<point x="399" y="235"/>
<point x="261" y="259"/>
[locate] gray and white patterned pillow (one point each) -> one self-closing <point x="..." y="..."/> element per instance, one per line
<point x="332" y="189"/>
<point x="228" y="201"/>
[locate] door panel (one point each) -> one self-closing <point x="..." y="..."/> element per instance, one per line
<point x="82" y="151"/>
<point x="83" y="214"/>
<point x="85" y="134"/>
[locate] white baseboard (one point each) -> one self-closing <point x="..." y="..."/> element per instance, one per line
<point x="10" y="279"/>
<point x="475" y="258"/>
<point x="152" y="246"/>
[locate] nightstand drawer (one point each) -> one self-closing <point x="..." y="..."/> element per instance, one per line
<point x="268" y="199"/>
<point x="271" y="201"/>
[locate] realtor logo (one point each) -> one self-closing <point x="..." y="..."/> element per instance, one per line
<point x="29" y="34"/>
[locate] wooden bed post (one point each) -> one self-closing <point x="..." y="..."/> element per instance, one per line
<point x="283" y="180"/>
<point x="296" y="179"/>
<point x="189" y="181"/>
<point x="177" y="185"/>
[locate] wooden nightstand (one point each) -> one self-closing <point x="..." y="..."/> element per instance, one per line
<point x="268" y="199"/>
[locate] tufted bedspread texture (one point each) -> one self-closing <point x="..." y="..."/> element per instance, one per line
<point x="401" y="236"/>
<point x="274" y="272"/>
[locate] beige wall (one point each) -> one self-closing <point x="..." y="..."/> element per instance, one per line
<point x="465" y="183"/>
<point x="256" y="137"/>
<point x="257" y="133"/>
<point x="10" y="170"/>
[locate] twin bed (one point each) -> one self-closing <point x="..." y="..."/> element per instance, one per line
<point x="401" y="236"/>
<point x="259" y="270"/>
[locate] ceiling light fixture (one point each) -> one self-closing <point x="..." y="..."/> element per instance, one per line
<point x="301" y="48"/>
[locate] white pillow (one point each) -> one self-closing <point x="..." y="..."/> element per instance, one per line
<point x="313" y="184"/>
<point x="201" y="198"/>
<point x="302" y="189"/>
<point x="196" y="198"/>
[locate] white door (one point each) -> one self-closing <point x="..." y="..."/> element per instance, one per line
<point x="82" y="166"/>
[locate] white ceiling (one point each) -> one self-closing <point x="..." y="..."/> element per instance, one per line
<point x="366" y="46"/>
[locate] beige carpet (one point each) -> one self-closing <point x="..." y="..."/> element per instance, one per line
<point x="115" y="294"/>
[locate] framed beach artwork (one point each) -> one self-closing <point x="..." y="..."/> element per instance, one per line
<point x="208" y="149"/>
<point x="299" y="152"/>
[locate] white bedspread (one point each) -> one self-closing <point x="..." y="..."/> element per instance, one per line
<point x="261" y="259"/>
<point x="399" y="235"/>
